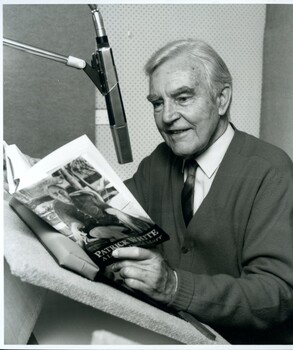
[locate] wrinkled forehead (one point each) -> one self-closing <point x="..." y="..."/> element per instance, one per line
<point x="185" y="62"/>
<point x="180" y="68"/>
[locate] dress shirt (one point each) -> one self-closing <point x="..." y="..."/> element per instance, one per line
<point x="208" y="165"/>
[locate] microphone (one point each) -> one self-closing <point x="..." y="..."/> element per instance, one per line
<point x="103" y="64"/>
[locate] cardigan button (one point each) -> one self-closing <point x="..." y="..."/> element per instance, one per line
<point x="184" y="250"/>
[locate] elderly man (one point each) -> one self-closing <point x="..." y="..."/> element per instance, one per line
<point x="224" y="197"/>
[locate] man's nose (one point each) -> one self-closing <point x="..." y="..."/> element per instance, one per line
<point x="170" y="113"/>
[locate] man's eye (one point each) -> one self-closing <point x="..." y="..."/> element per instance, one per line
<point x="158" y="105"/>
<point x="183" y="99"/>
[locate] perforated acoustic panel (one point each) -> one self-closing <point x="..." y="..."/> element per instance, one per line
<point x="136" y="31"/>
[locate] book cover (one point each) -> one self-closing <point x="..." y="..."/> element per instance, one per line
<point x="76" y="191"/>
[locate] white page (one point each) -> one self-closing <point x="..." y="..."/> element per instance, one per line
<point x="81" y="146"/>
<point x="16" y="164"/>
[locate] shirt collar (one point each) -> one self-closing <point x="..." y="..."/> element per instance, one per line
<point x="210" y="160"/>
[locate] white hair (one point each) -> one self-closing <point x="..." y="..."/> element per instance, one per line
<point x="216" y="71"/>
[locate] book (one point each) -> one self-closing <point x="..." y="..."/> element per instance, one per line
<point x="81" y="211"/>
<point x="78" y="194"/>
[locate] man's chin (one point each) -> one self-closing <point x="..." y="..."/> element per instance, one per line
<point x="182" y="152"/>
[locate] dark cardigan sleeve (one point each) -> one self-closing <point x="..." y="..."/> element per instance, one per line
<point x="263" y="294"/>
<point x="138" y="184"/>
<point x="149" y="168"/>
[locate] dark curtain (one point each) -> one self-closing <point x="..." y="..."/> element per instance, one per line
<point x="277" y="96"/>
<point x="46" y="103"/>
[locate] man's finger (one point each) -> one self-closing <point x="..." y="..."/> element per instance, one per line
<point x="137" y="273"/>
<point x="134" y="253"/>
<point x="137" y="285"/>
<point x="123" y="263"/>
<point x="141" y="264"/>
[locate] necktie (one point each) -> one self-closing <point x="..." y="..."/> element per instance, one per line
<point x="187" y="195"/>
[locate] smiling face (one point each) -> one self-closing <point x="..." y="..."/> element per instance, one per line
<point x="186" y="115"/>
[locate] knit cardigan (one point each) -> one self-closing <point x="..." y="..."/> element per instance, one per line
<point x="234" y="261"/>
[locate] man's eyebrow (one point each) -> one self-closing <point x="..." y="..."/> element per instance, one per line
<point x="152" y="97"/>
<point x="182" y="90"/>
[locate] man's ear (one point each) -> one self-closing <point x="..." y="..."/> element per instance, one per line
<point x="224" y="99"/>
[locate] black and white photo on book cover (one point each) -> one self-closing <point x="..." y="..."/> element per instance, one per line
<point x="84" y="205"/>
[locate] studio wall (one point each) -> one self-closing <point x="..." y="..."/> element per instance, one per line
<point x="277" y="96"/>
<point x="46" y="103"/>
<point x="136" y="31"/>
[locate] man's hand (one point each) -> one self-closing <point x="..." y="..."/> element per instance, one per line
<point x="146" y="271"/>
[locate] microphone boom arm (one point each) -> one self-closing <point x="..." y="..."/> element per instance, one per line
<point x="119" y="129"/>
<point x="70" y="61"/>
<point x="102" y="73"/>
